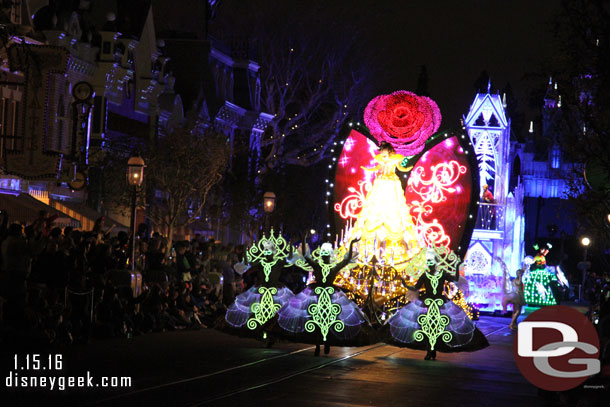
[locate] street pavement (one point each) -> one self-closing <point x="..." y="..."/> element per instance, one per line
<point x="210" y="368"/>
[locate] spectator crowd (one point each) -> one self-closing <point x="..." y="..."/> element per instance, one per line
<point x="61" y="286"/>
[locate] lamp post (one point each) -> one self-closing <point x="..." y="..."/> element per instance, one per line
<point x="585" y="242"/>
<point x="584" y="265"/>
<point x="268" y="206"/>
<point x="135" y="177"/>
<point x="561" y="250"/>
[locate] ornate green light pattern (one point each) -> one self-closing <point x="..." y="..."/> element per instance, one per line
<point x="276" y="246"/>
<point x="434" y="280"/>
<point x="265" y="309"/>
<point x="267" y="268"/>
<point x="537" y="288"/>
<point x="416" y="265"/>
<point x="433" y="324"/>
<point x="447" y="260"/>
<point x="303" y="264"/>
<point x="324" y="313"/>
<point x="317" y="257"/>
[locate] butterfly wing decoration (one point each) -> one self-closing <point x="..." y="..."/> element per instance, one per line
<point x="441" y="190"/>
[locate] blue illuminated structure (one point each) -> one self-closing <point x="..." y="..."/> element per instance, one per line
<point x="500" y="225"/>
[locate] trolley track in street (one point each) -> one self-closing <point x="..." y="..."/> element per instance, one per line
<point x="234" y="370"/>
<point x="491" y="331"/>
<point x="220" y="386"/>
<point x="284" y="377"/>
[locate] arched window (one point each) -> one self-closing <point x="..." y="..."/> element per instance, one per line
<point x="480" y="121"/>
<point x="16" y="12"/>
<point x="9" y="124"/>
<point x="555" y="157"/>
<point x="257" y="94"/>
<point x="493" y="121"/>
<point x="129" y="88"/>
<point x="61" y="113"/>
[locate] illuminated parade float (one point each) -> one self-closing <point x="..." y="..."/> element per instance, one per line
<point x="425" y="234"/>
<point x="543" y="284"/>
<point x="417" y="191"/>
<point x="499" y="229"/>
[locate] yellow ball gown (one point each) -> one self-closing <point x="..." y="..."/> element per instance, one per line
<point x="384" y="220"/>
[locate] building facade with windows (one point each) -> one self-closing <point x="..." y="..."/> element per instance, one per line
<point x="79" y="80"/>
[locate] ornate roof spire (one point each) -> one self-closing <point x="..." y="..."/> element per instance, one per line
<point x="551" y="96"/>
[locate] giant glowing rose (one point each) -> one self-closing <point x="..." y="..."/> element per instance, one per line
<point x="403" y="119"/>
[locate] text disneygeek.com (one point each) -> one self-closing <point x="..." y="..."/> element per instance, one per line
<point x="27" y="368"/>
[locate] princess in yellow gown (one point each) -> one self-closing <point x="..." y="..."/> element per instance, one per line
<point x="385" y="220"/>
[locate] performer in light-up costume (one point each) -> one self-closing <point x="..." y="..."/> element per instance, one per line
<point x="538" y="282"/>
<point x="322" y="312"/>
<point x="385" y="219"/>
<point x="432" y="322"/>
<point x="252" y="310"/>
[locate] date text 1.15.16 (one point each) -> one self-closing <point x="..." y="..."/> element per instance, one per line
<point x="38" y="362"/>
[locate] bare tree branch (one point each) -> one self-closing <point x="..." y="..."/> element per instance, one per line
<point x="312" y="81"/>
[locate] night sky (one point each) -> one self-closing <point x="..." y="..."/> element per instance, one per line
<point x="456" y="40"/>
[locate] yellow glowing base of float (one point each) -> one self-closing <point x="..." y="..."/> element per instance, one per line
<point x="384" y="276"/>
<point x="389" y="279"/>
<point x="383" y="262"/>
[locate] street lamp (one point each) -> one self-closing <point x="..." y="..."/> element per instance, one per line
<point x="585" y="241"/>
<point x="268" y="206"/>
<point x="135" y="171"/>
<point x="269" y="202"/>
<point x="135" y="177"/>
<point x="584" y="265"/>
